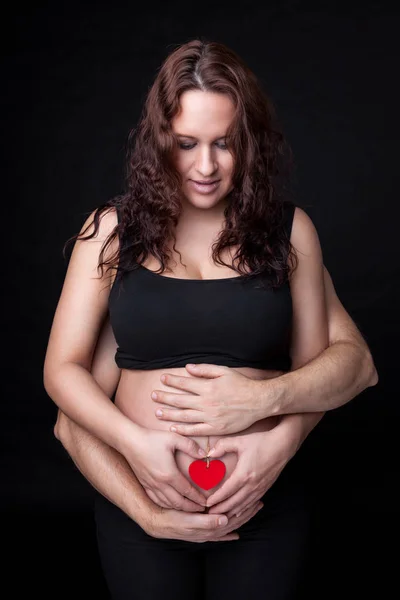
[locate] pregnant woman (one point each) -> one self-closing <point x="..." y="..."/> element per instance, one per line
<point x="206" y="263"/>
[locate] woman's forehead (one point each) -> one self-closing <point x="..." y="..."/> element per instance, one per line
<point x="203" y="113"/>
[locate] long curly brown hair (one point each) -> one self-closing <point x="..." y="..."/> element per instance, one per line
<point x="150" y="206"/>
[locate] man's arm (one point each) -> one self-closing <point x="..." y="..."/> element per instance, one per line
<point x="105" y="468"/>
<point x="336" y="376"/>
<point x="107" y="471"/>
<point x="332" y="378"/>
<point x="110" y="474"/>
<point x="342" y="374"/>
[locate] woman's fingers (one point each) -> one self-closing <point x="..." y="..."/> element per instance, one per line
<point x="226" y="444"/>
<point x="201" y="528"/>
<point x="179" y="502"/>
<point x="241" y="510"/>
<point x="238" y="499"/>
<point x="157" y="499"/>
<point x="168" y="497"/>
<point x="183" y="488"/>
<point x="249" y="513"/>
<point x="245" y="505"/>
<point x="236" y="522"/>
<point x="179" y="442"/>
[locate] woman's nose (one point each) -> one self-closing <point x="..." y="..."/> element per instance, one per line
<point x="206" y="163"/>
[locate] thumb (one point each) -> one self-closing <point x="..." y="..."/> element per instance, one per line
<point x="205" y="370"/>
<point x="188" y="446"/>
<point x="228" y="444"/>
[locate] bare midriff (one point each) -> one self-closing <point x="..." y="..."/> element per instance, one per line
<point x="133" y="398"/>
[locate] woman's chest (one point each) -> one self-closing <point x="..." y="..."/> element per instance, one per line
<point x="155" y="317"/>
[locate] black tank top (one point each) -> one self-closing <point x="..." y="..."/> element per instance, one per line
<point x="160" y="321"/>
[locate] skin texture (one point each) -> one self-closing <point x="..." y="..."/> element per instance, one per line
<point x="83" y="307"/>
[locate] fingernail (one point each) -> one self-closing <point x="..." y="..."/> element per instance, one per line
<point x="222" y="521"/>
<point x="172" y="428"/>
<point x="159" y="412"/>
<point x="190" y="365"/>
<point x="238" y="514"/>
<point x="211" y="451"/>
<point x="201" y="452"/>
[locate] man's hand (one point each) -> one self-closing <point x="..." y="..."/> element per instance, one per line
<point x="220" y="400"/>
<point x="261" y="458"/>
<point x="178" y="525"/>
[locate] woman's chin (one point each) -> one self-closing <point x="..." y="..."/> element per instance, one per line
<point x="204" y="202"/>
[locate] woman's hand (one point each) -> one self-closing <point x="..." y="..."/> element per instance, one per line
<point x="177" y="525"/>
<point x="153" y="462"/>
<point x="261" y="458"/>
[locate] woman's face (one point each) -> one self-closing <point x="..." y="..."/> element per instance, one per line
<point x="202" y="158"/>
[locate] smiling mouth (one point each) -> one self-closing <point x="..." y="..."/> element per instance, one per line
<point x="205" y="182"/>
<point x="209" y="187"/>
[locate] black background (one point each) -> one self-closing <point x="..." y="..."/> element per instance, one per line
<point x="74" y="79"/>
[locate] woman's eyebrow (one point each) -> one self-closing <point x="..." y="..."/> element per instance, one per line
<point x="191" y="137"/>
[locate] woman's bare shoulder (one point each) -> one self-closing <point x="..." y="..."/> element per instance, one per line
<point x="108" y="219"/>
<point x="304" y="236"/>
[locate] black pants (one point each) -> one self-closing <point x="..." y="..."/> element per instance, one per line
<point x="265" y="562"/>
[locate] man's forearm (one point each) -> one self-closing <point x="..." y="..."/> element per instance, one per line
<point x="107" y="471"/>
<point x="337" y="375"/>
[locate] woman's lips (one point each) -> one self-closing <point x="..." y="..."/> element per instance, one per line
<point x="204" y="188"/>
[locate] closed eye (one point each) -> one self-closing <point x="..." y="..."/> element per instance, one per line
<point x="220" y="145"/>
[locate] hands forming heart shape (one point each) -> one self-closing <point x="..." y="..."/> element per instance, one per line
<point x="207" y="473"/>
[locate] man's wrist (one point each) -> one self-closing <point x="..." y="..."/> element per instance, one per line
<point x="150" y="518"/>
<point x="269" y="396"/>
<point x="146" y="513"/>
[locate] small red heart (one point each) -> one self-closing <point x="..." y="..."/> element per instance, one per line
<point x="205" y="476"/>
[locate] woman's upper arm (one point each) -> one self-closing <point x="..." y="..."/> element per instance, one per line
<point x="310" y="326"/>
<point x="104" y="368"/>
<point x="83" y="302"/>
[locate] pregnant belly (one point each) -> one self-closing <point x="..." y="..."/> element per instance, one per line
<point x="211" y="476"/>
<point x="133" y="398"/>
<point x="229" y="459"/>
